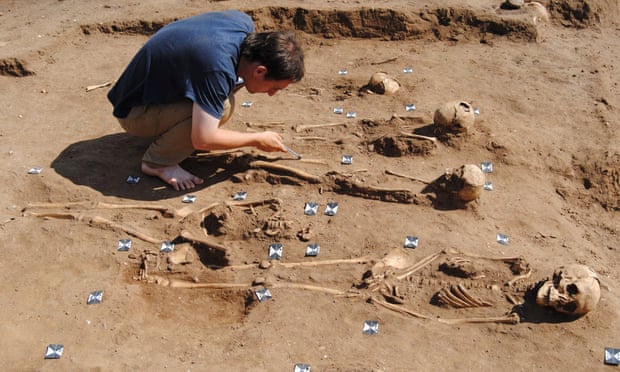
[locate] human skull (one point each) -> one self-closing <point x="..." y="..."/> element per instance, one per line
<point x="382" y="83"/>
<point x="538" y="11"/>
<point x="456" y="116"/>
<point x="574" y="289"/>
<point x="473" y="182"/>
<point x="465" y="183"/>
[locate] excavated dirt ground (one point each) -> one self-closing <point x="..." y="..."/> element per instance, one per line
<point x="546" y="95"/>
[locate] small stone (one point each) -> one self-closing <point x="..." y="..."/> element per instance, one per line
<point x="305" y="234"/>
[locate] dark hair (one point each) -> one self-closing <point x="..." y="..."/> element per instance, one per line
<point x="278" y="51"/>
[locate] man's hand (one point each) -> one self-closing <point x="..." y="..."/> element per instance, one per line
<point x="270" y="141"/>
<point x="207" y="135"/>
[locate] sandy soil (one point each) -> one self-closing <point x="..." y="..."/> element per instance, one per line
<point x="547" y="95"/>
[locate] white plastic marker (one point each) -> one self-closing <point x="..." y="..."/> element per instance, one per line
<point x="290" y="150"/>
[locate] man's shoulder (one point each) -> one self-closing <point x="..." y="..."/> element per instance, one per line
<point x="236" y="14"/>
<point x="225" y="16"/>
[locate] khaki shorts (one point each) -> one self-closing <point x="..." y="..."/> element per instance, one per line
<point x="171" y="125"/>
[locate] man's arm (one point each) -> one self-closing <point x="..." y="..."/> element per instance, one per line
<point x="206" y="135"/>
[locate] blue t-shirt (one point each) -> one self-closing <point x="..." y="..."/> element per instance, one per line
<point x="194" y="58"/>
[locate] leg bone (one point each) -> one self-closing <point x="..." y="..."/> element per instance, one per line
<point x="398" y="309"/>
<point x="512" y="318"/>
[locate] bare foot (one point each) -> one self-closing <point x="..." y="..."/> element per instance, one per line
<point x="174" y="175"/>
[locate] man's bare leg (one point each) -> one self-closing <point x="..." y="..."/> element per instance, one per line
<point x="174" y="175"/>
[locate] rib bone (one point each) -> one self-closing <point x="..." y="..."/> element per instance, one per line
<point x="458" y="297"/>
<point x="464" y="293"/>
<point x="448" y="298"/>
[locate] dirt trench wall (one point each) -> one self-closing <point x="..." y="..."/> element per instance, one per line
<point x="435" y="24"/>
<point x="452" y="23"/>
<point x="431" y="24"/>
<point x="583" y="14"/>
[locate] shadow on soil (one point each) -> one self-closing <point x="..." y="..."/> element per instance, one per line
<point x="105" y="164"/>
